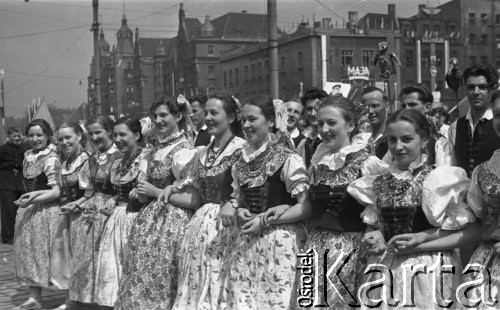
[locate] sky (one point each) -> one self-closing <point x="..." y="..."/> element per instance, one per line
<point x="46" y="45"/>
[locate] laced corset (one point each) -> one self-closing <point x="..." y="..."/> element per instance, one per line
<point x="260" y="181"/>
<point x="489" y="183"/>
<point x="124" y="183"/>
<point x="34" y="176"/>
<point x="159" y="172"/>
<point x="70" y="185"/>
<point x="215" y="181"/>
<point x="328" y="193"/>
<point x="100" y="173"/>
<point x="400" y="202"/>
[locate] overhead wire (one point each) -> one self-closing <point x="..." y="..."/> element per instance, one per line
<point x="50" y="65"/>
<point x="23" y="35"/>
<point x="45" y="75"/>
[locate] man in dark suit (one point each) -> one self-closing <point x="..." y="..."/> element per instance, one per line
<point x="376" y="103"/>
<point x="201" y="136"/>
<point x="11" y="181"/>
<point x="475" y="139"/>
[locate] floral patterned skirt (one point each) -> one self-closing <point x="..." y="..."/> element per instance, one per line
<point x="485" y="256"/>
<point x="60" y="258"/>
<point x="113" y="251"/>
<point x="86" y="232"/>
<point x="201" y="259"/>
<point x="262" y="268"/>
<point x="34" y="231"/>
<point x="426" y="287"/>
<point x="341" y="289"/>
<point x="150" y="271"/>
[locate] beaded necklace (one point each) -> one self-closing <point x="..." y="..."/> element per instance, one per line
<point x="127" y="162"/>
<point x="213" y="155"/>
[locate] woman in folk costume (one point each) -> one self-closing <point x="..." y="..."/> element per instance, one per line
<point x="416" y="215"/>
<point x="122" y="210"/>
<point x="150" y="271"/>
<point x="484" y="200"/>
<point x="75" y="189"/>
<point x="86" y="230"/>
<point x="206" y="241"/>
<point x="38" y="213"/>
<point x="336" y="223"/>
<point x="267" y="179"/>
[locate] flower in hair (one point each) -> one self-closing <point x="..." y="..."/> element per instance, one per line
<point x="238" y="108"/>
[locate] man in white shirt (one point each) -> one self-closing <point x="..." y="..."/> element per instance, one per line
<point x="294" y="109"/>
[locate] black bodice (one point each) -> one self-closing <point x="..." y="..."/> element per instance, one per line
<point x="37" y="183"/>
<point x="403" y="219"/>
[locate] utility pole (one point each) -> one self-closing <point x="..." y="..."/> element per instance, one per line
<point x="3" y="137"/>
<point x="493" y="40"/>
<point x="272" y="17"/>
<point x="97" y="58"/>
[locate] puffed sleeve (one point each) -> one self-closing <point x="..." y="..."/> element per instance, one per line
<point x="182" y="163"/>
<point x="475" y="194"/>
<point x="362" y="190"/>
<point x="374" y="166"/>
<point x="294" y="174"/>
<point x="84" y="179"/>
<point x="235" y="185"/>
<point x="443" y="198"/>
<point x="52" y="169"/>
<point x="192" y="178"/>
<point x="445" y="155"/>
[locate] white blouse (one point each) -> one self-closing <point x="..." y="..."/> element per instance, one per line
<point x="443" y="196"/>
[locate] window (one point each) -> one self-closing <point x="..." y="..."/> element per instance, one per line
<point x="210" y="51"/>
<point x="331" y="57"/>
<point x="437" y="30"/>
<point x="484" y="39"/>
<point x="211" y="71"/>
<point x="497" y="19"/>
<point x="246" y="74"/>
<point x="472" y="60"/>
<point x="484" y="18"/>
<point x="427" y="28"/>
<point x="454" y="54"/>
<point x="282" y="62"/>
<point x="472" y="38"/>
<point x="230" y="78"/>
<point x="259" y="71"/>
<point x="367" y="56"/>
<point x="300" y="60"/>
<point x="451" y="29"/>
<point x="439" y="58"/>
<point x="225" y="79"/>
<point x="497" y="61"/>
<point x="346" y="57"/>
<point x="409" y="58"/>
<point x="252" y="72"/>
<point x="472" y="19"/>
<point x="484" y="59"/>
<point x="236" y="77"/>
<point x="425" y="58"/>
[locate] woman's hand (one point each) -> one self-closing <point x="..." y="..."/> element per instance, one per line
<point x="147" y="189"/>
<point x="253" y="226"/>
<point x="375" y="242"/>
<point x="244" y="215"/>
<point x="26" y="199"/>
<point x="110" y="206"/>
<point x="273" y="214"/>
<point x="133" y="194"/>
<point x="164" y="196"/>
<point x="227" y="214"/>
<point x="405" y="242"/>
<point x="497" y="248"/>
<point x="70" y="208"/>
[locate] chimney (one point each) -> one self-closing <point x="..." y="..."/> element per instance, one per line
<point x="391" y="9"/>
<point x="421" y="7"/>
<point x="326" y="22"/>
<point x="352" y="19"/>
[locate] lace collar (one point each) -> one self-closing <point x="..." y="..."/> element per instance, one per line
<point x="235" y="144"/>
<point x="494" y="163"/>
<point x="32" y="155"/>
<point x="103" y="157"/>
<point x="170" y="138"/>
<point x="80" y="159"/>
<point x="249" y="153"/>
<point x="407" y="174"/>
<point x="323" y="155"/>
